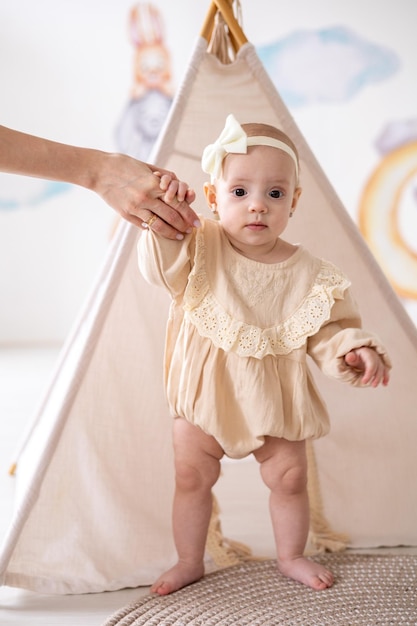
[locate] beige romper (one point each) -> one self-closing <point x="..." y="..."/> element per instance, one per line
<point x="239" y="332"/>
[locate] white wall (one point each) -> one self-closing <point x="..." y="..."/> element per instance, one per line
<point x="65" y="71"/>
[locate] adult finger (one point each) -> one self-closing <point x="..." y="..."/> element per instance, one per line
<point x="180" y="217"/>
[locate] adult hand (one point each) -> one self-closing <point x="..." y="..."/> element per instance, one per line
<point x="137" y="191"/>
<point x="133" y="188"/>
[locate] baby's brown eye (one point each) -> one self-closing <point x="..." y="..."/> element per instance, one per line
<point x="276" y="193"/>
<point x="239" y="192"/>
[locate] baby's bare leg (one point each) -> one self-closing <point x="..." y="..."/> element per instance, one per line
<point x="284" y="471"/>
<point x="197" y="467"/>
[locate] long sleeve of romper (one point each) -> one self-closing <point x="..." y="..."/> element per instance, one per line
<point x="165" y="262"/>
<point x="342" y="333"/>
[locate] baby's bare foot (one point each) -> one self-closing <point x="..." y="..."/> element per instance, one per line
<point x="181" y="575"/>
<point x="307" y="572"/>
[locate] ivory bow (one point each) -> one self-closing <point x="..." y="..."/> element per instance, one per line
<point x="232" y="139"/>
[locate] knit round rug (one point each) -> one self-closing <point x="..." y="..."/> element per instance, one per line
<point x="369" y="591"/>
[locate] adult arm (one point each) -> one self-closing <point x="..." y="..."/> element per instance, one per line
<point x="127" y="185"/>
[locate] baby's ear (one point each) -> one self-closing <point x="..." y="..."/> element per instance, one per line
<point x="211" y="196"/>
<point x="295" y="199"/>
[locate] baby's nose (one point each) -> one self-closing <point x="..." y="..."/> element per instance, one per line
<point x="257" y="205"/>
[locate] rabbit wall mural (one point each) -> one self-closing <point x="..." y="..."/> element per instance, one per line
<point x="150" y="96"/>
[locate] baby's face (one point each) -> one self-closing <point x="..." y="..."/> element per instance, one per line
<point x="255" y="195"/>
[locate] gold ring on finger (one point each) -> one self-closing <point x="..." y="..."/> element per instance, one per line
<point x="148" y="223"/>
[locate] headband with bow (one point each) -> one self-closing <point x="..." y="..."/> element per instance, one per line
<point x="234" y="140"/>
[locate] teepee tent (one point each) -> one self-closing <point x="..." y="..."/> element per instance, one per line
<point x="95" y="476"/>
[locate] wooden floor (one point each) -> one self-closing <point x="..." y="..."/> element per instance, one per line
<point x="23" y="376"/>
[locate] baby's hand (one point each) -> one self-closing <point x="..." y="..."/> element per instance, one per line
<point x="176" y="190"/>
<point x="369" y="362"/>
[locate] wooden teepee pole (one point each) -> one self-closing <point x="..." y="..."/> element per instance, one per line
<point x="238" y="37"/>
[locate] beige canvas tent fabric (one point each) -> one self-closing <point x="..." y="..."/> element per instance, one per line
<point x="95" y="479"/>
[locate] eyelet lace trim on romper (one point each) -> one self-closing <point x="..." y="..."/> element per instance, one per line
<point x="212" y="321"/>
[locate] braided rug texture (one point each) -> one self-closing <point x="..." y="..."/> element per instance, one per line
<point x="369" y="591"/>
